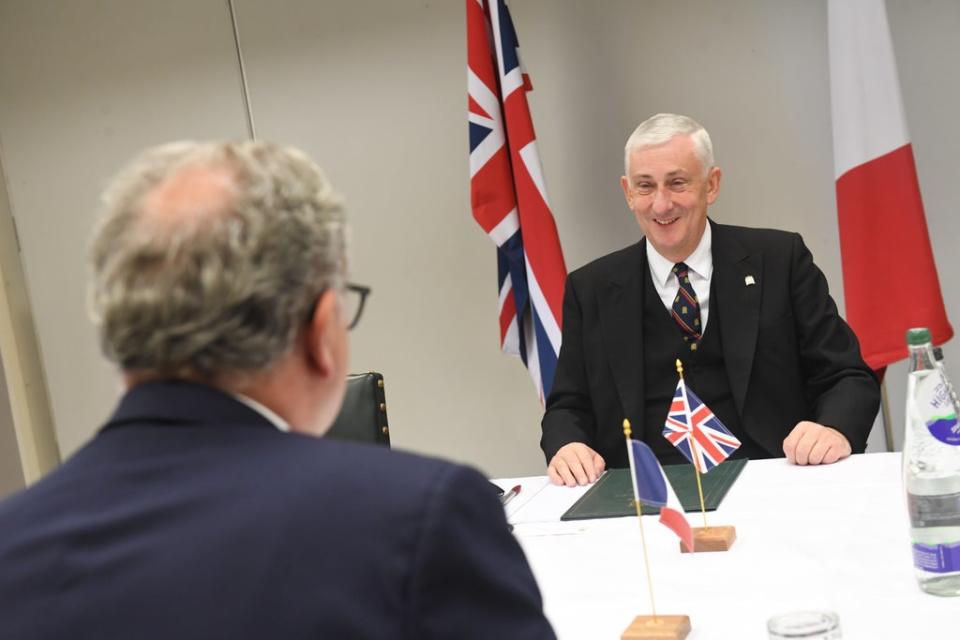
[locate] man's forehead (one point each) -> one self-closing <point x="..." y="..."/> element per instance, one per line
<point x="675" y="157"/>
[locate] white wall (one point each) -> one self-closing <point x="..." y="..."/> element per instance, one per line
<point x="375" y="90"/>
<point x="84" y="86"/>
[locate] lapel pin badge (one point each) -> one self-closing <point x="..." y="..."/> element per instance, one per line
<point x="748" y="280"/>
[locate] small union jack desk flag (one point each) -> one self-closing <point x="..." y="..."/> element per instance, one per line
<point x="650" y="487"/>
<point x="692" y="427"/>
<point x="508" y="195"/>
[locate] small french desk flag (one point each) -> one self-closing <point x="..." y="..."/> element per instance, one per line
<point x="651" y="487"/>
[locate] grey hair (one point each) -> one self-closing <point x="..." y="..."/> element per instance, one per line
<point x="662" y="128"/>
<point x="225" y="290"/>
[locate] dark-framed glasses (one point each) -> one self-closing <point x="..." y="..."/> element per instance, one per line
<point x="354" y="298"/>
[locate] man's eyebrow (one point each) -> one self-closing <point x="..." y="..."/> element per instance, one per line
<point x="672" y="174"/>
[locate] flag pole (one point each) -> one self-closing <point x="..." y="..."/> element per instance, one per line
<point x="244" y="88"/>
<point x="636" y="503"/>
<point x="696" y="464"/>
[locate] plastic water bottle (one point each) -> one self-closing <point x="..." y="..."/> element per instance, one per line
<point x="938" y="360"/>
<point x="931" y="470"/>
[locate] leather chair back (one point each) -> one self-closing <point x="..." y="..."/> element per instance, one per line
<point x="363" y="417"/>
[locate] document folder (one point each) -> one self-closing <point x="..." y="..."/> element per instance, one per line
<point x="612" y="495"/>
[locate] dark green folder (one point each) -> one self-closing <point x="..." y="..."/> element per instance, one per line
<point x="612" y="495"/>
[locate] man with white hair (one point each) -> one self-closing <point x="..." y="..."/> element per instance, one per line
<point x="208" y="507"/>
<point x="746" y="311"/>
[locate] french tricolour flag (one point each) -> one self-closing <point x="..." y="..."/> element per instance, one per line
<point x="508" y="195"/>
<point x="889" y="276"/>
<point x="651" y="487"/>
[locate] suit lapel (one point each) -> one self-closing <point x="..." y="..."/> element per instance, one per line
<point x="738" y="281"/>
<point x="620" y="302"/>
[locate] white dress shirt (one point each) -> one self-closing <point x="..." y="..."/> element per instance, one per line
<point x="266" y="412"/>
<point x="701" y="270"/>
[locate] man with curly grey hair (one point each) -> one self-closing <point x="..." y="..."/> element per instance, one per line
<point x="207" y="507"/>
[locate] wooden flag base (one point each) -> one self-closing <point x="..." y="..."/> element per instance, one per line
<point x="657" y="628"/>
<point x="711" y="539"/>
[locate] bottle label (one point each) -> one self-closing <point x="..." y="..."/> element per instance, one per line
<point x="934" y="511"/>
<point x="941" y="558"/>
<point x="937" y="410"/>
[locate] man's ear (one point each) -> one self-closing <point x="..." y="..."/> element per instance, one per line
<point x="319" y="332"/>
<point x="625" y="185"/>
<point x="713" y="184"/>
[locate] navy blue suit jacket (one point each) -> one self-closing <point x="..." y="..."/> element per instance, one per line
<point x="191" y="516"/>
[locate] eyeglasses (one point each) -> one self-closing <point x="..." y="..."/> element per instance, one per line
<point x="352" y="299"/>
<point x="355" y="296"/>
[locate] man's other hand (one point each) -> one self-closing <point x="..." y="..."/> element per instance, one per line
<point x="812" y="443"/>
<point x="574" y="464"/>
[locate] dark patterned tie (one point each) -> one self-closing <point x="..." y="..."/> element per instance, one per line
<point x="686" y="307"/>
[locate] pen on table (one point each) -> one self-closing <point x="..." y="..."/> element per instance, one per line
<point x="509" y="495"/>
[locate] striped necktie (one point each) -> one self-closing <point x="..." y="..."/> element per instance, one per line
<point x="686" y="307"/>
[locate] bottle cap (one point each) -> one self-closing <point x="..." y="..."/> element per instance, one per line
<point x="918" y="336"/>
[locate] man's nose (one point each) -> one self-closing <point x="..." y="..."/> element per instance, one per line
<point x="662" y="201"/>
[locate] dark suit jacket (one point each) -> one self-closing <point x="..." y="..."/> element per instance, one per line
<point x="788" y="354"/>
<point x="191" y="516"/>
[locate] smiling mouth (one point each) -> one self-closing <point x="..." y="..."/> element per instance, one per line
<point x="665" y="222"/>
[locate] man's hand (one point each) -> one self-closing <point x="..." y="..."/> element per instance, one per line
<point x="812" y="443"/>
<point x="574" y="464"/>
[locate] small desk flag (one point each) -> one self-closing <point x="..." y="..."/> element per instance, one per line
<point x="690" y="418"/>
<point x="650" y="487"/>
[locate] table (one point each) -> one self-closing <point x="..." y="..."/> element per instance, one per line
<point x="833" y="537"/>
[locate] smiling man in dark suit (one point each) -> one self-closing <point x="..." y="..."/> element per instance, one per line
<point x="208" y="507"/>
<point x="745" y="310"/>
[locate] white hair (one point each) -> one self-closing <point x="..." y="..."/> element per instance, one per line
<point x="662" y="128"/>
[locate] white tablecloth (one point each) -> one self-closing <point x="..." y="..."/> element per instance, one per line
<point x="832" y="537"/>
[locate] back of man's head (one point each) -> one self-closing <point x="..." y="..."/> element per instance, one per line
<point x="209" y="258"/>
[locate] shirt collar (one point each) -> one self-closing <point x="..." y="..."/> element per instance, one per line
<point x="700" y="261"/>
<point x="266" y="412"/>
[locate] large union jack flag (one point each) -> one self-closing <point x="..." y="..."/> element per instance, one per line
<point x="691" y="421"/>
<point x="508" y="195"/>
